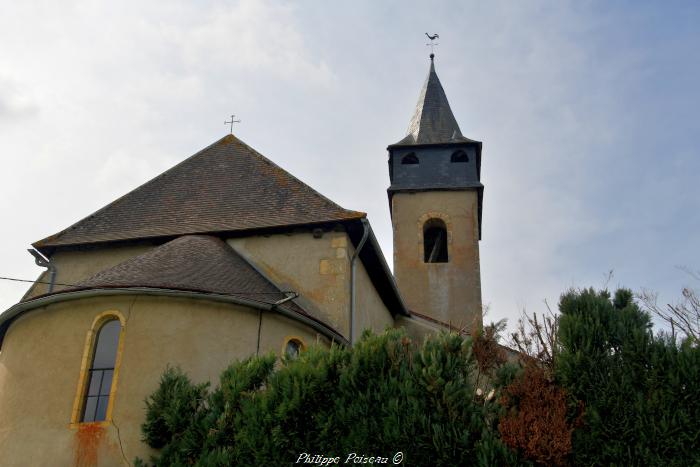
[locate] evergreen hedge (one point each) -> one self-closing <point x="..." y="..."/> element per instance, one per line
<point x="383" y="396"/>
<point x="614" y="394"/>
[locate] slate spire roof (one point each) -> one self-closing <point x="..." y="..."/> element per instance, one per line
<point x="225" y="187"/>
<point x="433" y="121"/>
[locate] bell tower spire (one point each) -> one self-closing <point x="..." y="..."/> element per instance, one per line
<point x="433" y="120"/>
<point x="435" y="199"/>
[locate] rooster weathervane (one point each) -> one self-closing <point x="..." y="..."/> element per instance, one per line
<point x="432" y="43"/>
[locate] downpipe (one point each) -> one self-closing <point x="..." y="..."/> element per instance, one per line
<point x="365" y="234"/>
<point x="44" y="262"/>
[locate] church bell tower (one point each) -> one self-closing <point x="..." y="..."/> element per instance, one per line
<point x="435" y="199"/>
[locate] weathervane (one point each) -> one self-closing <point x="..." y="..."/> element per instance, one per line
<point x="233" y="120"/>
<point x="432" y="43"/>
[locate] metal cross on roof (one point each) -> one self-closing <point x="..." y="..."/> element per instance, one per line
<point x="232" y="122"/>
<point x="432" y="43"/>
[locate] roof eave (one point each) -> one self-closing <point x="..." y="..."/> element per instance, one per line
<point x="49" y="248"/>
<point x="440" y="144"/>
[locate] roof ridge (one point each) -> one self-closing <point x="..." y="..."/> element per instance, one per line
<point x="306" y="186"/>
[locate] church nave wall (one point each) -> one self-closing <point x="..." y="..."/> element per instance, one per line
<point x="43" y="356"/>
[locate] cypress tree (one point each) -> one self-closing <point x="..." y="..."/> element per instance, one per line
<point x="640" y="391"/>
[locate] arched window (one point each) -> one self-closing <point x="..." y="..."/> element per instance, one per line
<point x="409" y="159"/>
<point x="293" y="348"/>
<point x="101" y="372"/>
<point x="459" y="156"/>
<point x="435" y="241"/>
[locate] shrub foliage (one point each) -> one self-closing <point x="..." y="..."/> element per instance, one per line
<point x="610" y="392"/>
<point x="641" y="392"/>
<point x="383" y="396"/>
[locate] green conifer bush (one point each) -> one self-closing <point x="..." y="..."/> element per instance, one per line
<point x="610" y="392"/>
<point x="641" y="392"/>
<point x="383" y="396"/>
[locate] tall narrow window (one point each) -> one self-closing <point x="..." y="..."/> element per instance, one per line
<point x="435" y="241"/>
<point x="459" y="156"/>
<point x="101" y="372"/>
<point x="409" y="159"/>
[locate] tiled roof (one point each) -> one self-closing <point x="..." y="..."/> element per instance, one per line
<point x="226" y="187"/>
<point x="191" y="263"/>
<point x="433" y="121"/>
<point x="197" y="263"/>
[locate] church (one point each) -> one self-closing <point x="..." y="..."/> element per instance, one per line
<point x="224" y="256"/>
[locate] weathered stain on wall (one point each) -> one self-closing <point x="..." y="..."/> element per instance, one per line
<point x="88" y="440"/>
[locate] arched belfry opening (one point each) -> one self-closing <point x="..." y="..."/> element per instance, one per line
<point x="409" y="159"/>
<point x="435" y="241"/>
<point x="459" y="156"/>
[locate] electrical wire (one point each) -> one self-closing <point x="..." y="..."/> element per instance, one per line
<point x="77" y="285"/>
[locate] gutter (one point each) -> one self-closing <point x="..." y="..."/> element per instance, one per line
<point x="15" y="311"/>
<point x="44" y="262"/>
<point x="365" y="234"/>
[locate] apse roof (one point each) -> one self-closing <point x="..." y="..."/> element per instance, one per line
<point x="225" y="187"/>
<point x="191" y="263"/>
<point x="197" y="263"/>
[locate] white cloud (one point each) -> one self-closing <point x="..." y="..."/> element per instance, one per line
<point x="113" y="93"/>
<point x="14" y="103"/>
<point x="123" y="88"/>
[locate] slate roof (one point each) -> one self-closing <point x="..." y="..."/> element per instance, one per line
<point x="226" y="187"/>
<point x="196" y="263"/>
<point x="433" y="121"/>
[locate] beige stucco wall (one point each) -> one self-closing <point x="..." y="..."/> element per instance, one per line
<point x="40" y="361"/>
<point x="449" y="292"/>
<point x="40" y="366"/>
<point x="370" y="311"/>
<point x="319" y="270"/>
<point x="418" y="329"/>
<point x="76" y="265"/>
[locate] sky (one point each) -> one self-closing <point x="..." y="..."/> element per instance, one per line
<point x="588" y="113"/>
